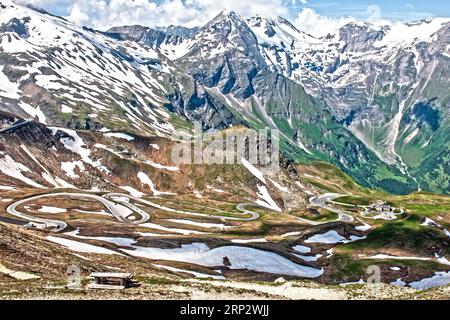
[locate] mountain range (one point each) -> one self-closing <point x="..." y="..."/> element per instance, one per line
<point x="372" y="100"/>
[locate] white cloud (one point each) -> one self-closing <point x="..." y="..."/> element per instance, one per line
<point x="55" y="5"/>
<point x="374" y="13"/>
<point x="45" y="3"/>
<point x="297" y="2"/>
<point x="104" y="14"/>
<point x="311" y="22"/>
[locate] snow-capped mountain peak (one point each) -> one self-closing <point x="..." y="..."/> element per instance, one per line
<point x="374" y="94"/>
<point x="54" y="65"/>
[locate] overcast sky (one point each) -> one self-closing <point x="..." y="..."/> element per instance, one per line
<point x="308" y="15"/>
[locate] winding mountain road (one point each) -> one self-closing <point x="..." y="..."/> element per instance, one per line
<point x="116" y="210"/>
<point x="241" y="207"/>
<point x="118" y="205"/>
<point x="321" y="202"/>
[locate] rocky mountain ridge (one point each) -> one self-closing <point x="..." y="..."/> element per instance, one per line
<point x="371" y="100"/>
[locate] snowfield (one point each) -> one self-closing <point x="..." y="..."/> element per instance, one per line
<point x="290" y="234"/>
<point x="439" y="279"/>
<point x="119" y="136"/>
<point x="46" y="209"/>
<point x="160" y="166"/>
<point x="309" y="258"/>
<point x="302" y="249"/>
<point x="15" y="170"/>
<point x="258" y="174"/>
<point x="363" y="228"/>
<point x="8" y="89"/>
<point x="145" y="180"/>
<point x="80" y="246"/>
<point x="330" y="237"/>
<point x="428" y="222"/>
<point x="239" y="258"/>
<point x="266" y="200"/>
<point x="69" y="168"/>
<point x="431" y="223"/>
<point x="121" y="242"/>
<point x="133" y="191"/>
<point x="195" y="274"/>
<point x="75" y="144"/>
<point x="200" y="254"/>
<point x="279" y="186"/>
<point x="399" y="282"/>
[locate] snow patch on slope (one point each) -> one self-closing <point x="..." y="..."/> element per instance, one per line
<point x="80" y="246"/>
<point x="145" y="180"/>
<point x="119" y="136"/>
<point x="75" y="144"/>
<point x="439" y="279"/>
<point x="258" y="174"/>
<point x="239" y="258"/>
<point x="69" y="168"/>
<point x="15" y="169"/>
<point x="266" y="200"/>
